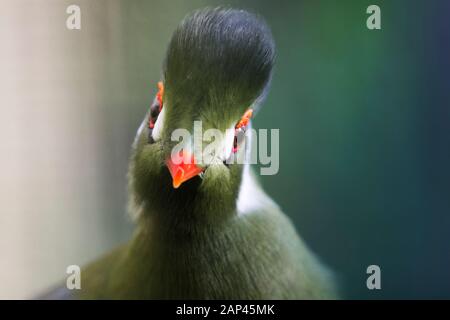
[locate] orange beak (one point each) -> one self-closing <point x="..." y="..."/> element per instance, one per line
<point x="183" y="169"/>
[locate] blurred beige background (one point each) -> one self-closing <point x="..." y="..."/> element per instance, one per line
<point x="363" y="119"/>
<point x="69" y="109"/>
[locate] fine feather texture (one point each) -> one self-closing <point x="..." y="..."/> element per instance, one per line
<point x="219" y="236"/>
<point x="219" y="57"/>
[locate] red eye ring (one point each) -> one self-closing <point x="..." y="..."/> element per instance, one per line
<point x="240" y="127"/>
<point x="160" y="94"/>
<point x="157" y="106"/>
<point x="245" y="119"/>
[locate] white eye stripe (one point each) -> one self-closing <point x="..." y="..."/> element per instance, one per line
<point x="139" y="131"/>
<point x="227" y="144"/>
<point x="159" y="124"/>
<point x="141" y="128"/>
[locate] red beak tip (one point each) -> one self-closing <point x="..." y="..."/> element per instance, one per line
<point x="182" y="172"/>
<point x="176" y="185"/>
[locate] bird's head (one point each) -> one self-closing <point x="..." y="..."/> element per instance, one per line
<point x="217" y="69"/>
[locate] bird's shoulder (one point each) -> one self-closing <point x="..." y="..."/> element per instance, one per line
<point x="262" y="224"/>
<point x="96" y="276"/>
<point x="94" y="279"/>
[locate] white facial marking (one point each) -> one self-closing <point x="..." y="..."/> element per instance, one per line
<point x="139" y="131"/>
<point x="251" y="196"/>
<point x="159" y="124"/>
<point x="226" y="146"/>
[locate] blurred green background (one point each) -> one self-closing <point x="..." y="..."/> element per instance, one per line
<point x="363" y="118"/>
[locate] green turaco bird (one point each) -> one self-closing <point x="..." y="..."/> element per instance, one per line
<point x="206" y="230"/>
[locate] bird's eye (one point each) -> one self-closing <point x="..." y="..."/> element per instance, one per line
<point x="239" y="130"/>
<point x="155" y="109"/>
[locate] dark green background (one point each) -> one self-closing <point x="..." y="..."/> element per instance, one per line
<point x="364" y="129"/>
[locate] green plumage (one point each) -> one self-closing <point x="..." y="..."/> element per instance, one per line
<point x="258" y="256"/>
<point x="195" y="242"/>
